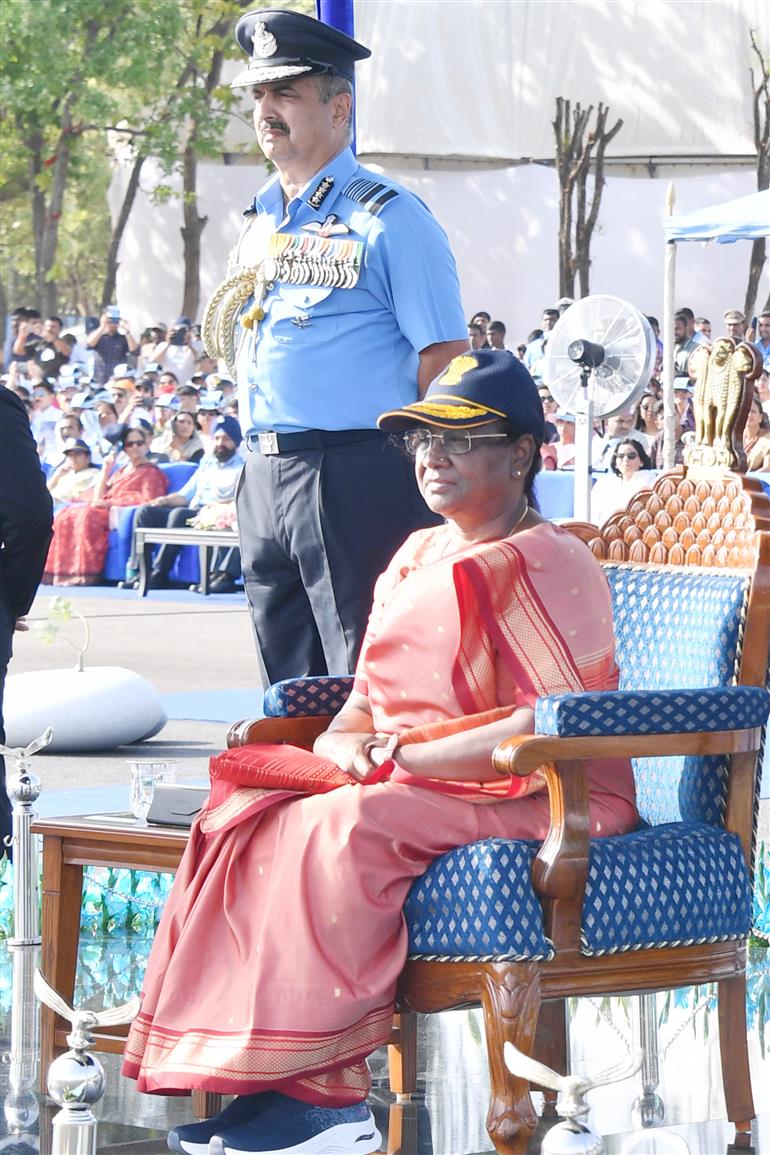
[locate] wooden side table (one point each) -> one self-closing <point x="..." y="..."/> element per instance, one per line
<point x="69" y="844"/>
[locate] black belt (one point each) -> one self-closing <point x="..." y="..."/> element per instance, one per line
<point x="269" y="443"/>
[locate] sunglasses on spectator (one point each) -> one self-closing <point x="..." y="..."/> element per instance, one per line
<point x="128" y="444"/>
<point x="626" y="456"/>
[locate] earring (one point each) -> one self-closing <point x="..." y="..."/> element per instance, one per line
<point x="516" y="473"/>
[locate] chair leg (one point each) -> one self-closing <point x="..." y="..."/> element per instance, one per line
<point x="402" y="1056"/>
<point x="552" y="1047"/>
<point x="206" y="1103"/>
<point x="510" y="998"/>
<point x="734" y="1051"/>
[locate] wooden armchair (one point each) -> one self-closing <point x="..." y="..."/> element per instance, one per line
<point x="513" y="925"/>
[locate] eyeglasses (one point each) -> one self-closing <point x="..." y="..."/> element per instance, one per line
<point x="626" y="456"/>
<point x="129" y="444"/>
<point x="455" y="442"/>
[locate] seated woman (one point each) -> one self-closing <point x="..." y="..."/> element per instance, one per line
<point x="180" y="440"/>
<point x="756" y="438"/>
<point x="80" y="532"/>
<point x="274" y="970"/>
<point x="630" y="470"/>
<point x="74" y="479"/>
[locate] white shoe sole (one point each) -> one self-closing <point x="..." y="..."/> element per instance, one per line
<point x="347" y="1139"/>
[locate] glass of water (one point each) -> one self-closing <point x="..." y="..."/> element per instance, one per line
<point x="145" y="776"/>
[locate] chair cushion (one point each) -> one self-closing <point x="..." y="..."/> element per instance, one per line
<point x="307" y="697"/>
<point x="652" y="711"/>
<point x="477" y="903"/>
<point x="673" y="885"/>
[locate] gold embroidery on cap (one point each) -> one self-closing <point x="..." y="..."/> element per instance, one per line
<point x="457" y="368"/>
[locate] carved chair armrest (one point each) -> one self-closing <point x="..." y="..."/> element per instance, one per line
<point x="292" y="731"/>
<point x="670" y="719"/>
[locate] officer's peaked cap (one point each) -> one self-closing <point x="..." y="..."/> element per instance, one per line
<point x="282" y="44"/>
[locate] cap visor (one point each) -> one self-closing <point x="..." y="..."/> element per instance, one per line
<point x="265" y="73"/>
<point x="444" y="412"/>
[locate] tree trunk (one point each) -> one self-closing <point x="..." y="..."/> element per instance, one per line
<point x="111" y="272"/>
<point x="191" y="232"/>
<point x="760" y="92"/>
<point x="50" y="237"/>
<point x="574" y="154"/>
<point x="756" y="265"/>
<point x="34" y="145"/>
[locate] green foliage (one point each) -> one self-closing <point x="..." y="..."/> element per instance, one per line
<point x="93" y="79"/>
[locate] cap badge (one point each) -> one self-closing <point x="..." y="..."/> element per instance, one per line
<point x="265" y="44"/>
<point x="457" y="368"/>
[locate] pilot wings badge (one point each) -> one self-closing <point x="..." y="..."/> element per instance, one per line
<point x="331" y="227"/>
<point x="265" y="44"/>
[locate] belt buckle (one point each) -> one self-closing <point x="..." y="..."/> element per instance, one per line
<point x="268" y="443"/>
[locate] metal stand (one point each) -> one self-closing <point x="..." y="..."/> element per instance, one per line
<point x="21" y="1106"/>
<point x="76" y="1078"/>
<point x="647" y="1109"/>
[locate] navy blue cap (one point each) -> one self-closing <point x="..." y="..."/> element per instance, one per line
<point x="474" y="389"/>
<point x="230" y="426"/>
<point x="76" y="445"/>
<point x="282" y="44"/>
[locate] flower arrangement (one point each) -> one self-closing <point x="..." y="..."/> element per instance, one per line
<point x="217" y="515"/>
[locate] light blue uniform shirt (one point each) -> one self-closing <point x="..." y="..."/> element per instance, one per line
<point x="212" y="481"/>
<point x="335" y="358"/>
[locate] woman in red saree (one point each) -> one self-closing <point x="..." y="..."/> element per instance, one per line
<point x="274" y="969"/>
<point x="80" y="532"/>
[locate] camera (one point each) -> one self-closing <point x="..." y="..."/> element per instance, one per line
<point x="178" y="337"/>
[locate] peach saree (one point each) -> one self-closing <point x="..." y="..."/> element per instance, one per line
<point x="276" y="961"/>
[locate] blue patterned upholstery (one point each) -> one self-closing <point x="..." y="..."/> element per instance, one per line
<point x="678" y="629"/>
<point x="652" y="711"/>
<point x="477" y="902"/>
<point x="669" y="885"/>
<point x="307" y="697"/>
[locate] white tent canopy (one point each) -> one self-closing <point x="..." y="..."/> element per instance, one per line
<point x="746" y="218"/>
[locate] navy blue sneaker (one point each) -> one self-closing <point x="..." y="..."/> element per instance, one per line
<point x="289" y="1127"/>
<point x="193" y="1138"/>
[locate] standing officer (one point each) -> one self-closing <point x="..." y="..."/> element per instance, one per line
<point x="343" y="301"/>
<point x="26" y="516"/>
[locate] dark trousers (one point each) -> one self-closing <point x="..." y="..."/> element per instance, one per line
<point x="317" y="527"/>
<point x="176" y="517"/>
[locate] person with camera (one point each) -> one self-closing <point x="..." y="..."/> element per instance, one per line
<point x="179" y="351"/>
<point x="112" y="342"/>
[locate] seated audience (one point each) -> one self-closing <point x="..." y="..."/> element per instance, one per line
<point x="644" y="418"/>
<point x="212" y="485"/>
<point x="656" y="453"/>
<point x="179" y="440"/>
<point x="284" y="935"/>
<point x="76" y="477"/>
<point x="79" y="547"/>
<point x="756" y="438"/>
<point x="565" y="446"/>
<point x="46" y="414"/>
<point x="630" y="470"/>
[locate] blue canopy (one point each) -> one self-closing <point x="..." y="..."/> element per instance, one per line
<point x="746" y="218"/>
